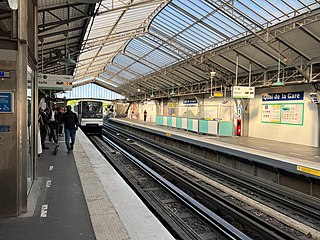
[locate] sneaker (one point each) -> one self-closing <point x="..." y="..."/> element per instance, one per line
<point x="71" y="147"/>
<point x="69" y="152"/>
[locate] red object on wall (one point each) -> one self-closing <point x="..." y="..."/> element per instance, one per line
<point x="238" y="129"/>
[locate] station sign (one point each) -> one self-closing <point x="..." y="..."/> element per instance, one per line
<point x="4" y="74"/>
<point x="55" y="82"/>
<point x="190" y="101"/>
<point x="218" y="94"/>
<point x="242" y="92"/>
<point x="287" y="96"/>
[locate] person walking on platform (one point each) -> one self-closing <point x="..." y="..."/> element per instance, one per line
<point x="54" y="119"/>
<point x="43" y="128"/>
<point x="70" y="120"/>
<point x="145" y="115"/>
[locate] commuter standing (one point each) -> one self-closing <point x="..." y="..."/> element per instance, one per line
<point x="54" y="120"/>
<point x="145" y="115"/>
<point x="70" y="120"/>
<point x="60" y="112"/>
<point x="43" y="128"/>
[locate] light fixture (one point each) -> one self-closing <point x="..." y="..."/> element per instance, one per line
<point x="138" y="90"/>
<point x="225" y="100"/>
<point x="152" y="96"/>
<point x="278" y="83"/>
<point x="9" y="5"/>
<point x="67" y="60"/>
<point x="172" y="90"/>
<point x="212" y="75"/>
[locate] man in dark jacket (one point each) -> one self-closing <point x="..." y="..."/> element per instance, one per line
<point x="70" y="120"/>
<point x="43" y="127"/>
<point x="53" y="120"/>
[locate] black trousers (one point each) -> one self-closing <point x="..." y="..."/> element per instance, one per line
<point x="43" y="135"/>
<point x="53" y="131"/>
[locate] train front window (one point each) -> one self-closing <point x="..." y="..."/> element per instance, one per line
<point x="92" y="110"/>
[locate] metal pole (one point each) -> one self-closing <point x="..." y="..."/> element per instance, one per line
<point x="250" y="66"/>
<point x="237" y="65"/>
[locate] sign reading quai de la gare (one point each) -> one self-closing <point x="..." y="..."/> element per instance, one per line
<point x="287" y="96"/>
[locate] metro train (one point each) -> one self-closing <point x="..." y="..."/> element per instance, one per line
<point x="90" y="114"/>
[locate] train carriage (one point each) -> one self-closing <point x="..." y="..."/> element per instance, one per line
<point x="90" y="114"/>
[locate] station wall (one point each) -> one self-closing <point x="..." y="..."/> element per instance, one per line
<point x="305" y="134"/>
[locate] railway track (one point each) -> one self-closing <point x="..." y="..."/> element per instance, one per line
<point x="210" y="199"/>
<point x="180" y="213"/>
<point x="289" y="211"/>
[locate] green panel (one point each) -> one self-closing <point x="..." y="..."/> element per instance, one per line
<point x="281" y="114"/>
<point x="179" y="123"/>
<point x="190" y="124"/>
<point x="203" y="126"/>
<point x="159" y="120"/>
<point x="225" y="128"/>
<point x="169" y="121"/>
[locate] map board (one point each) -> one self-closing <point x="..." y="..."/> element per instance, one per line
<point x="286" y="113"/>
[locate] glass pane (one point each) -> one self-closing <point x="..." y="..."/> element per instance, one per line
<point x="91" y="109"/>
<point x="30" y="77"/>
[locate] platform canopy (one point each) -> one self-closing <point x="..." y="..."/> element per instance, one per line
<point x="153" y="47"/>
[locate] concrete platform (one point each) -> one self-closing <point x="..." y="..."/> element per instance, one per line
<point x="294" y="158"/>
<point x="80" y="196"/>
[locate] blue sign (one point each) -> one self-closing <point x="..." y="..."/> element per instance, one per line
<point x="190" y="101"/>
<point x="1" y="74"/>
<point x="4" y="128"/>
<point x="5" y="102"/>
<point x="288" y="96"/>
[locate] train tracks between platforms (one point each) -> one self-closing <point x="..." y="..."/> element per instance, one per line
<point x="220" y="201"/>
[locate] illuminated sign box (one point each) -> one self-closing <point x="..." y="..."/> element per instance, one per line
<point x="55" y="82"/>
<point x="242" y="92"/>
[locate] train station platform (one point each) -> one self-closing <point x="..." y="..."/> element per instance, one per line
<point x="80" y="196"/>
<point x="299" y="159"/>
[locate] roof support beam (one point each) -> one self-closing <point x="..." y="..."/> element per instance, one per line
<point x="284" y="42"/>
<point x="50" y="25"/>
<point x="250" y="59"/>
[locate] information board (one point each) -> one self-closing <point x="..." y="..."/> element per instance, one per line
<point x="292" y="114"/>
<point x="271" y="113"/>
<point x="6" y="102"/>
<point x="242" y="92"/>
<point x="288" y="113"/>
<point x="55" y="82"/>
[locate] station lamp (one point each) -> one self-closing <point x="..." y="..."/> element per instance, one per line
<point x="9" y="4"/>
<point x="278" y="83"/>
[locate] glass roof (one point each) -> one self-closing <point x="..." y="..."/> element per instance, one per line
<point x="131" y="42"/>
